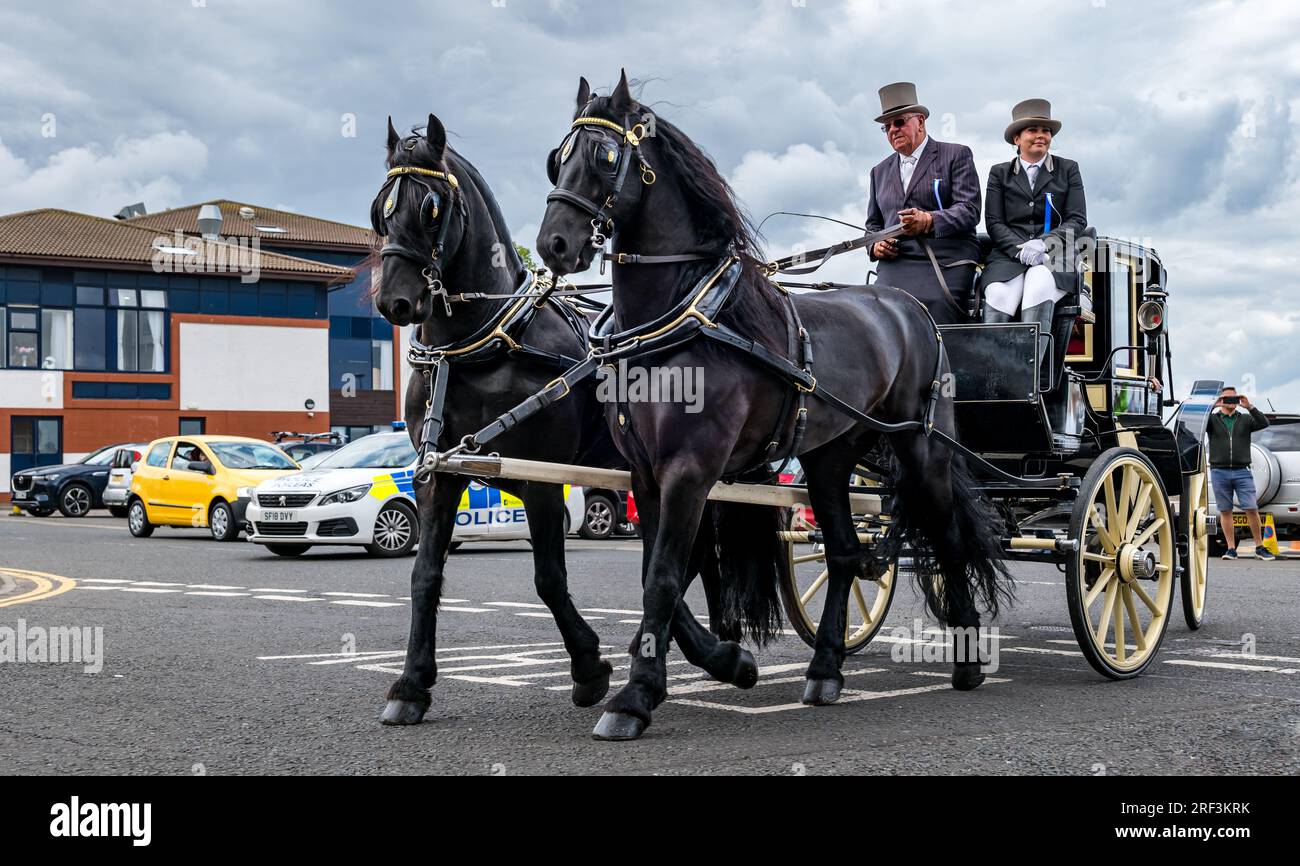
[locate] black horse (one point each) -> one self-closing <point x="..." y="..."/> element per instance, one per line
<point x="445" y="236"/>
<point x="675" y="228"/>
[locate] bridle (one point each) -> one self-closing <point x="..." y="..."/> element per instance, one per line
<point x="430" y="208"/>
<point x="602" y="215"/>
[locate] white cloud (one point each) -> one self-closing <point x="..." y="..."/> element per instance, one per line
<point x="93" y="180"/>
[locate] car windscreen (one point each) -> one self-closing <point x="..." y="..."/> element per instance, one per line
<point x="1279" y="436"/>
<point x="250" y="455"/>
<point x="102" y="457"/>
<point x="372" y="452"/>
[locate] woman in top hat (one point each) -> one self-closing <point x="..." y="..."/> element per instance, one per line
<point x="1035" y="213"/>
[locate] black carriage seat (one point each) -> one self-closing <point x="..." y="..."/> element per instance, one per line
<point x="1067" y="310"/>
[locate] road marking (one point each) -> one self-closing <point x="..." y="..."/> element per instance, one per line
<point x="47" y="586"/>
<point x="403" y="652"/>
<point x="514" y="604"/>
<point x="102" y="580"/>
<point x="1246" y="656"/>
<point x="285" y="597"/>
<point x="153" y="583"/>
<point x="357" y="602"/>
<point x="846" y="696"/>
<point x="1228" y="666"/>
<point x="359" y="594"/>
<point x="1038" y="650"/>
<point x="273" y="589"/>
<point x="611" y="610"/>
<point x="100" y="588"/>
<point x="546" y="615"/>
<point x="148" y="589"/>
<point x="466" y="610"/>
<point x="213" y="586"/>
<point x="218" y="594"/>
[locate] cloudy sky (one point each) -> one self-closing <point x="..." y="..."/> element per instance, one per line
<point x="1183" y="115"/>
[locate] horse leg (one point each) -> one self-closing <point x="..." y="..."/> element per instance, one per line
<point x="545" y="506"/>
<point x="935" y="504"/>
<point x="828" y="470"/>
<point x="436" y="504"/>
<point x="682" y="494"/>
<point x="725" y="660"/>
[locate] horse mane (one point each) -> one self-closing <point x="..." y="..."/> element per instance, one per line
<point x="712" y="202"/>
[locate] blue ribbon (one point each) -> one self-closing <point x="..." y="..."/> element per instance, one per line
<point x="1047" y="214"/>
<point x="937" y="199"/>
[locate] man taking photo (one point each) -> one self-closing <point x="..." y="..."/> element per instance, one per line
<point x="1232" y="421"/>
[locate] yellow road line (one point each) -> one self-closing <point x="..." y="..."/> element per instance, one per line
<point x="47" y="586"/>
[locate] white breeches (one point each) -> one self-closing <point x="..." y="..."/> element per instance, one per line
<point x="1033" y="287"/>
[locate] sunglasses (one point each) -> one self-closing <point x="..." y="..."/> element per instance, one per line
<point x="897" y="122"/>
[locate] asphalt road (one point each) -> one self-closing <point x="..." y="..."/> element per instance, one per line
<point x="223" y="659"/>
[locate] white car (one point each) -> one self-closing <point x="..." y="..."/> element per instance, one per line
<point x="363" y="495"/>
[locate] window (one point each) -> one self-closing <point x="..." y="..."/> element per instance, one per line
<point x="250" y="455"/>
<point x="140" y="340"/>
<point x="187" y="452"/>
<point x="90" y="296"/>
<point x="56" y="338"/>
<point x="4" y="333"/>
<point x="123" y="297"/>
<point x="158" y="454"/>
<point x="191" y="427"/>
<point x="381" y="365"/>
<point x="23" y="339"/>
<point x="89" y="351"/>
<point x="153" y="298"/>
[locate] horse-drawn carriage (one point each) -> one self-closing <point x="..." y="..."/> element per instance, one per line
<point x="943" y="450"/>
<point x="1085" y="409"/>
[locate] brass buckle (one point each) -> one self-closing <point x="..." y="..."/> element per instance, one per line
<point x="810" y="388"/>
<point x="562" y="381"/>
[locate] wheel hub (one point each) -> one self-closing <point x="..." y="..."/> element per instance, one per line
<point x="1135" y="563"/>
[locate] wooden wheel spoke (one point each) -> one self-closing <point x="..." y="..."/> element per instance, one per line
<point x="1140" y="509"/>
<point x="809" y="557"/>
<point x="1098" y="557"/>
<point x="862" y="603"/>
<point x="1149" y="531"/>
<point x="1146" y="599"/>
<point x="1121" y="642"/>
<point x="1107" y="610"/>
<point x="814" y="588"/>
<point x="1104" y="581"/>
<point x="1125" y="499"/>
<point x="1139" y="634"/>
<point x="1107" y="540"/>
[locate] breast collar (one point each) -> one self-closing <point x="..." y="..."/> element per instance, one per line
<point x="503" y="332"/>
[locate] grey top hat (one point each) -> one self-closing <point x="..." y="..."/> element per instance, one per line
<point x="1031" y="112"/>
<point x="899" y="98"/>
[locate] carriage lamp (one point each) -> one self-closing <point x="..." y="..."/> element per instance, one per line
<point x="1151" y="317"/>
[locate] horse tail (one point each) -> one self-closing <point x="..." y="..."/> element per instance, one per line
<point x="704" y="562"/>
<point x="964" y="550"/>
<point x="752" y="562"/>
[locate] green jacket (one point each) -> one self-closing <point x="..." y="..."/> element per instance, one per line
<point x="1230" y="449"/>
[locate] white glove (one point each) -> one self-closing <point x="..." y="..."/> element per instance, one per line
<point x="1033" y="252"/>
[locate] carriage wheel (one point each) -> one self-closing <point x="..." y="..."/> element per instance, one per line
<point x="804" y="593"/>
<point x="1120" y="582"/>
<point x="1195" y="510"/>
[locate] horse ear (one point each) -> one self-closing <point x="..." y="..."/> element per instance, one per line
<point x="436" y="136"/>
<point x="621" y="100"/>
<point x="393" y="138"/>
<point x="584" y="92"/>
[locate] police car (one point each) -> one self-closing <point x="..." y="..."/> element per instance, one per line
<point x="363" y="495"/>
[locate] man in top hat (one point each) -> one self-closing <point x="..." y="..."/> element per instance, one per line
<point x="932" y="189"/>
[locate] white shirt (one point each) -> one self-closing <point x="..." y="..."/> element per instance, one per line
<point x="1031" y="170"/>
<point x="907" y="164"/>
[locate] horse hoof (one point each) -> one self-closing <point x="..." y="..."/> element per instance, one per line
<point x="618" y="727"/>
<point x="745" y="676"/>
<point x="819" y="693"/>
<point x="966" y="677"/>
<point x="590" y="692"/>
<point x="402" y="713"/>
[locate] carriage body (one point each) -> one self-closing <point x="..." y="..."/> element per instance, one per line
<point x="1127" y="515"/>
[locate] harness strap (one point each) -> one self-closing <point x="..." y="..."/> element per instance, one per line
<point x="783" y="266"/>
<point x="638" y="259"/>
<point x="943" y="283"/>
<point x="554" y="391"/>
<point x="433" y="405"/>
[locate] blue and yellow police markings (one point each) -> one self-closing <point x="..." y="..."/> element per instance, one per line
<point x="386" y="486"/>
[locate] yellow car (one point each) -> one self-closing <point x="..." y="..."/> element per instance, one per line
<point x="200" y="481"/>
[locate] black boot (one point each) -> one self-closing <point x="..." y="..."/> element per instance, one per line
<point x="1042" y="314"/>
<point x="994" y="316"/>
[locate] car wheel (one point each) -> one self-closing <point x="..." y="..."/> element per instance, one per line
<point x="40" y="512"/>
<point x="395" y="532"/>
<point x="221" y="522"/>
<point x="599" y="518"/>
<point x="117" y="510"/>
<point x="288" y="549"/>
<point x="76" y="500"/>
<point x="137" y="519"/>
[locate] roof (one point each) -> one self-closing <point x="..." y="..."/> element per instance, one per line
<point x="300" y="230"/>
<point x="65" y="235"/>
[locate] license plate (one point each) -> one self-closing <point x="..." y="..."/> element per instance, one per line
<point x="278" y="516"/>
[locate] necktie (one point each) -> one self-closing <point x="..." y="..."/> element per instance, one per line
<point x="909" y="166"/>
<point x="1033" y="176"/>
